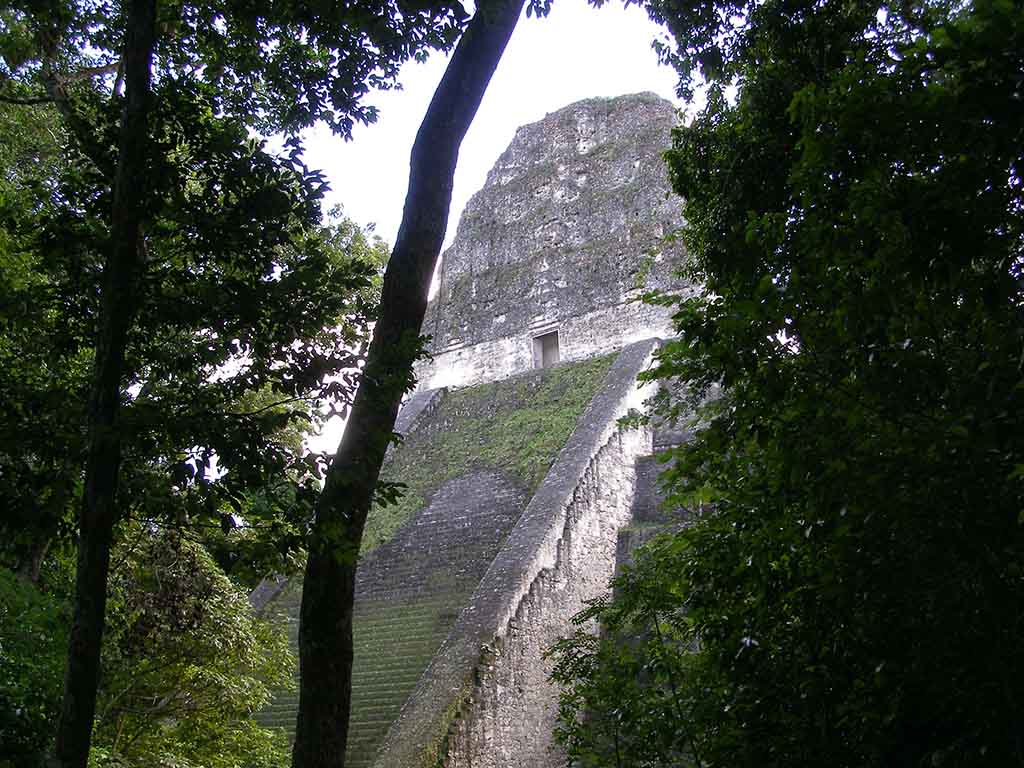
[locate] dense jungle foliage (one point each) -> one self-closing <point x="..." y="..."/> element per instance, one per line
<point x="176" y="311"/>
<point x="186" y="662"/>
<point x="244" y="340"/>
<point x="850" y="593"/>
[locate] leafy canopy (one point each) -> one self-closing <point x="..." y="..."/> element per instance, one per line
<point x="851" y="594"/>
<point x="254" y="310"/>
<point x="186" y="662"/>
<point x="278" y="66"/>
<point x="252" y="315"/>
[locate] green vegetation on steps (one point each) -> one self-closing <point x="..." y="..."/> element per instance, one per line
<point x="517" y="426"/>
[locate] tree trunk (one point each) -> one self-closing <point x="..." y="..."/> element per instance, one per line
<point x="325" y="629"/>
<point x="98" y="512"/>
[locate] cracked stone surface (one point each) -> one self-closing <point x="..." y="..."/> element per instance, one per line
<point x="564" y="235"/>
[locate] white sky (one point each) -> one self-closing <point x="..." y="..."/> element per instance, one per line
<point x="574" y="53"/>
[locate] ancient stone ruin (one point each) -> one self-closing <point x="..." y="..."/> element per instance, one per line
<point x="523" y="489"/>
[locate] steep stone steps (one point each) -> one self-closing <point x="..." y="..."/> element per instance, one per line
<point x="650" y="517"/>
<point x="410" y="591"/>
<point x="464" y="493"/>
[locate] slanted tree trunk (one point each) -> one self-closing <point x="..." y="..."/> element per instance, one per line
<point x="328" y="596"/>
<point x="117" y="301"/>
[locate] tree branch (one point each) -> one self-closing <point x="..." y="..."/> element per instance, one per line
<point x="28" y="102"/>
<point x="89" y="72"/>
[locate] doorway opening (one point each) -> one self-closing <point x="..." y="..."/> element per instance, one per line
<point x="545" y="350"/>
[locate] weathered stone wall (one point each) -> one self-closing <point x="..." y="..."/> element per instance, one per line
<point x="568" y="226"/>
<point x="417" y="407"/>
<point x="649" y="518"/>
<point x="410" y="590"/>
<point x="508" y="718"/>
<point x="580" y="337"/>
<point x="409" y="593"/>
<point x="468" y="705"/>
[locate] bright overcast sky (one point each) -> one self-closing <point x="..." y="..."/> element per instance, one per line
<point x="575" y="53"/>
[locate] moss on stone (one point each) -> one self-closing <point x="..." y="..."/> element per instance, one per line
<point x="515" y="426"/>
<point x="436" y="750"/>
<point x="642" y="526"/>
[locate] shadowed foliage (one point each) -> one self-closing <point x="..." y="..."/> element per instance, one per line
<point x="852" y="594"/>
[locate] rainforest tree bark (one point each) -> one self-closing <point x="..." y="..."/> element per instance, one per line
<point x="325" y="629"/>
<point x="117" y="300"/>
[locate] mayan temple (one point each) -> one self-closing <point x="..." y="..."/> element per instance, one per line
<point x="522" y="488"/>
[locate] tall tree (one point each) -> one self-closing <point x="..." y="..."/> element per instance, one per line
<point x="103" y="458"/>
<point x="328" y="596"/>
<point x="234" y="343"/>
<point x="853" y="594"/>
<point x="230" y="354"/>
<point x="273" y="68"/>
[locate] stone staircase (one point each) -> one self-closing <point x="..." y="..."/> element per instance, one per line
<point x="410" y="591"/>
<point x="650" y="518"/>
<point x="470" y="462"/>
